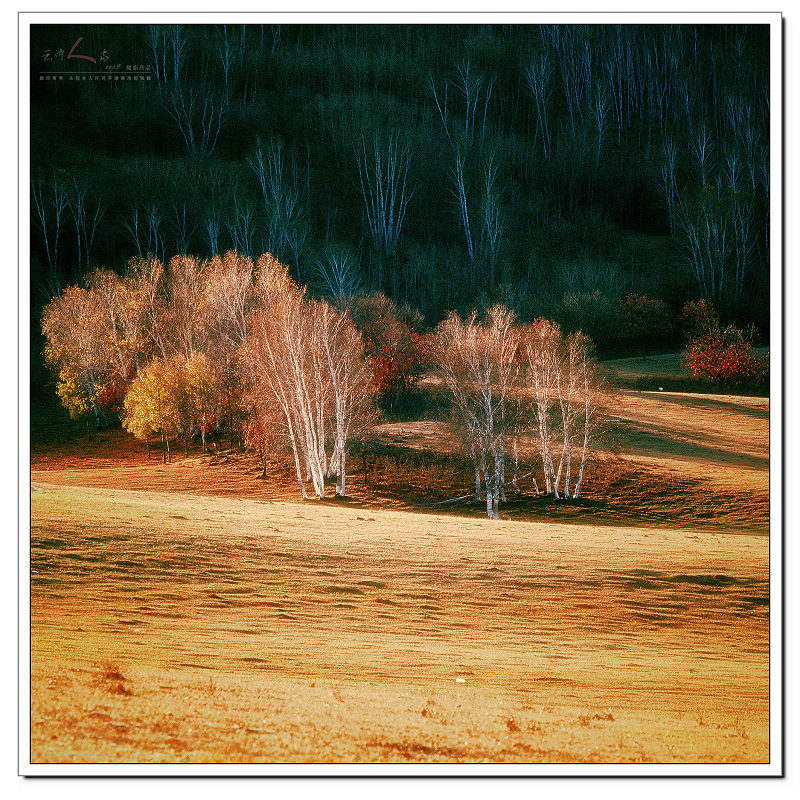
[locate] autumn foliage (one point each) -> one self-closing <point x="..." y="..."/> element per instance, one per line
<point x="111" y="396"/>
<point x="181" y="350"/>
<point x="723" y="355"/>
<point x="395" y="349"/>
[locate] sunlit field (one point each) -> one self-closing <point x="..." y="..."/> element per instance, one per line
<point x="173" y="627"/>
<point x="194" y="612"/>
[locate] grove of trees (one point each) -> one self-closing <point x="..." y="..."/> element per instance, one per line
<point x="495" y="203"/>
<point x="510" y="381"/>
<point x="199" y="344"/>
<point x="201" y="347"/>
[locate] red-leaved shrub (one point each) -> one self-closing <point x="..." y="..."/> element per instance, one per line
<point x="111" y="396"/>
<point x="725" y="356"/>
<point x="396" y="351"/>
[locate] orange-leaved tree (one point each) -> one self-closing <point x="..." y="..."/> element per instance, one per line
<point x="79" y="348"/>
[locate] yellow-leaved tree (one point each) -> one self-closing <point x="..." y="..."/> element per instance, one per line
<point x="172" y="398"/>
<point x="150" y="407"/>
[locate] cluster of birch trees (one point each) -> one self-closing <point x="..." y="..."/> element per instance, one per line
<point x="510" y="381"/>
<point x="197" y="344"/>
<point x="304" y="372"/>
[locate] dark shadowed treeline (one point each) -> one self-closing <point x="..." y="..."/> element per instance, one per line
<point x="559" y="170"/>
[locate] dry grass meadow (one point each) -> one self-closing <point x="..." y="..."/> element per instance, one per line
<point x="194" y="612"/>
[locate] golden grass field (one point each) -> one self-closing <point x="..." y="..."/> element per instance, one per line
<point x="193" y="612"/>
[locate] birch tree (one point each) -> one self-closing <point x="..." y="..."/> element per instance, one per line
<point x="199" y="115"/>
<point x="306" y="361"/>
<point x="285" y="212"/>
<point x="479" y="366"/>
<point x="340" y="276"/>
<point x="589" y="399"/>
<point x="384" y="186"/>
<point x="352" y="388"/>
<point x="51" y="204"/>
<point x="492" y="220"/>
<point x="541" y="342"/>
<point x="562" y="380"/>
<point x="538" y="77"/>
<point x="702" y="150"/>
<point x="475" y="91"/>
<point x="241" y="228"/>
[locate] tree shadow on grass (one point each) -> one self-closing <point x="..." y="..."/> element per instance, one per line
<point x="650" y="439"/>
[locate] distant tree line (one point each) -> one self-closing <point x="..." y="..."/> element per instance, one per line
<point x="555" y="169"/>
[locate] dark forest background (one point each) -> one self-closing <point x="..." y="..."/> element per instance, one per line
<point x="555" y="169"/>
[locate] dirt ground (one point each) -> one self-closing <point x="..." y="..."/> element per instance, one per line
<point x="194" y="611"/>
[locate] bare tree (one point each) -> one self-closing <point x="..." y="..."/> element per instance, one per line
<point x="155" y="37"/>
<point x="184" y="229"/>
<point x="199" y="115"/>
<point x="340" y="275"/>
<point x="705" y="231"/>
<point x="702" y="149"/>
<point x="538" y="76"/>
<point x="241" y="228"/>
<point x="668" y="183"/>
<point x="286" y="225"/>
<point x="50" y="207"/>
<point x="764" y="172"/>
<point x="462" y="203"/>
<point x="90" y="229"/>
<point x="573" y="65"/>
<point x="224" y="53"/>
<point x="743" y="242"/>
<point x="492" y="227"/>
<point x="476" y="92"/>
<point x="154" y="217"/>
<point x="600" y="109"/>
<point x="212" y="228"/>
<point x="384" y="179"/>
<point x="76" y="203"/>
<point x="276" y="35"/>
<point x="132" y="226"/>
<point x="442" y="107"/>
<point x="175" y="38"/>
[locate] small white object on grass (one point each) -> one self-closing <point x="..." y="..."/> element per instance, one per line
<point x="461" y="680"/>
